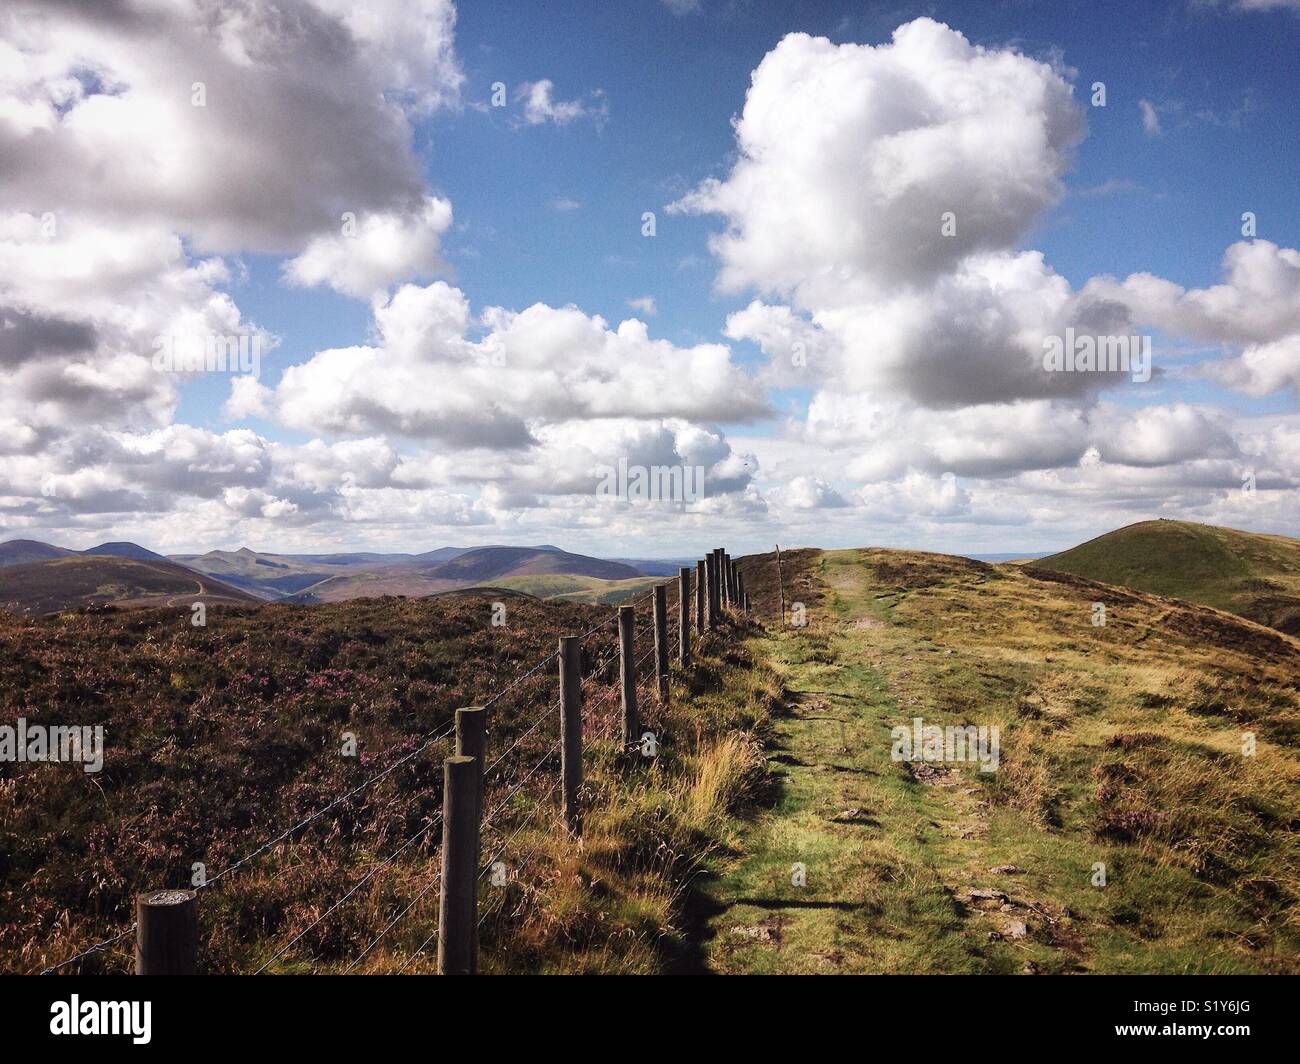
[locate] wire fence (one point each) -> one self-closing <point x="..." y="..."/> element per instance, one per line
<point x="513" y="782"/>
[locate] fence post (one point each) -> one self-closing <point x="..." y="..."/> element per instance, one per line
<point x="471" y="741"/>
<point x="714" y="601"/>
<point x="740" y="591"/>
<point x="571" y="729"/>
<point x="780" y="583"/>
<point x="661" y="641"/>
<point x="167" y="933"/>
<point x="458" y="893"/>
<point x="701" y="582"/>
<point x="627" y="675"/>
<point x="732" y="599"/>
<point x="684" y="616"/>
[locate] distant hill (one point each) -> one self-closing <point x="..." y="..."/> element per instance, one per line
<point x="25" y="551"/>
<point x="78" y="580"/>
<point x="488" y="563"/>
<point x="515" y="567"/>
<point x="125" y="550"/>
<point x="1254" y="575"/>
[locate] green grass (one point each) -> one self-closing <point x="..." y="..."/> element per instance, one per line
<point x="1098" y="725"/>
<point x="575" y="587"/>
<point x="1257" y="576"/>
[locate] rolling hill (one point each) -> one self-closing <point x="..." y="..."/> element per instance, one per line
<point x="78" y="580"/>
<point x="514" y="567"/>
<point x="25" y="551"/>
<point x="1253" y="575"/>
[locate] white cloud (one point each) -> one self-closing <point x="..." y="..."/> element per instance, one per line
<point x="371" y="253"/>
<point x="97" y="112"/>
<point x="645" y="304"/>
<point x="1150" y="118"/>
<point x="540" y="105"/>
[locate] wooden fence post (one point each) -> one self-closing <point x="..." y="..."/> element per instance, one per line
<point x="661" y="640"/>
<point x="683" y="616"/>
<point x="627" y="675"/>
<point x="715" y="601"/>
<point x="458" y="894"/>
<point x="471" y="741"/>
<point x="732" y="598"/>
<point x="571" y="729"/>
<point x="780" y="583"/>
<point x="701" y="585"/>
<point x="167" y="933"/>
<point x="740" y="591"/>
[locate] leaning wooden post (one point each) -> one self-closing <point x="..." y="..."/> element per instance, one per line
<point x="661" y="641"/>
<point x="701" y="583"/>
<point x="167" y="933"/>
<point x="458" y="895"/>
<point x="571" y="729"/>
<point x="684" y="616"/>
<point x="780" y="583"/>
<point x="471" y="741"/>
<point x="627" y="675"/>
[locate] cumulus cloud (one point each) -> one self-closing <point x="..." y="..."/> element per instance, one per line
<point x="373" y="252"/>
<point x="1256" y="308"/>
<point x="532" y="366"/>
<point x="851" y="154"/>
<point x="98" y="112"/>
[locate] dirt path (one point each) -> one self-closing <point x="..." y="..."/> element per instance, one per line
<point x="860" y="866"/>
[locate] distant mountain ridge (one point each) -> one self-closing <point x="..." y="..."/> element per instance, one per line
<point x="308" y="577"/>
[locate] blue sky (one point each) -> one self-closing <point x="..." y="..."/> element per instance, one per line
<point x="1199" y="126"/>
<point x="1168" y="204"/>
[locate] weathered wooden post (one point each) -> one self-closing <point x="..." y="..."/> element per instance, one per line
<point x="167" y="933"/>
<point x="732" y="599"/>
<point x="714" y="601"/>
<point x="458" y="894"/>
<point x="661" y="641"/>
<point x="684" y="616"/>
<point x="740" y="591"/>
<point x="627" y="675"/>
<point x="780" y="583"/>
<point x="701" y="589"/>
<point x="471" y="741"/>
<point x="571" y="729"/>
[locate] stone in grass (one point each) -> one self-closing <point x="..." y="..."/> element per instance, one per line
<point x="1015" y="930"/>
<point x="1006" y="870"/>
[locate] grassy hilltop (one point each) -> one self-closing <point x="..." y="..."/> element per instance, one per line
<point x="1254" y="575"/>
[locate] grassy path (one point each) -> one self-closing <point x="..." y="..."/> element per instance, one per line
<point x="863" y="864"/>
<point x="872" y="842"/>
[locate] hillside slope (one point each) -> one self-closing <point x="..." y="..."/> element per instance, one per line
<point x="1247" y="573"/>
<point x="1123" y="748"/>
<point x="91" y="580"/>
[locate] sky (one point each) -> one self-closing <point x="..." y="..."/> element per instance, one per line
<point x="486" y="253"/>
